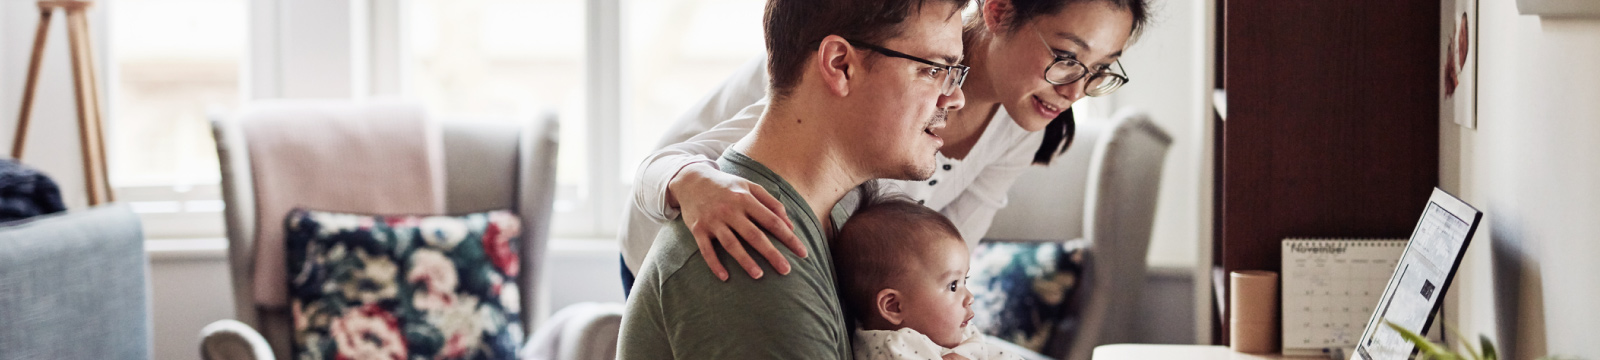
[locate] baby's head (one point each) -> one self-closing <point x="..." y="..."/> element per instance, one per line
<point x="901" y="265"/>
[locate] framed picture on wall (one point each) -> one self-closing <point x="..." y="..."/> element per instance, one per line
<point x="1458" y="62"/>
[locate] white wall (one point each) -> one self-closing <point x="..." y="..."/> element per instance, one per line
<point x="579" y="271"/>
<point x="1166" y="68"/>
<point x="1532" y="166"/>
<point x="1170" y="76"/>
<point x="187" y="291"/>
<point x="1170" y="69"/>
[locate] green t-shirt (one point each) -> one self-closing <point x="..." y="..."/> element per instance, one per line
<point x="679" y="310"/>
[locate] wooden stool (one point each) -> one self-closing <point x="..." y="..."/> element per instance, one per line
<point x="91" y="134"/>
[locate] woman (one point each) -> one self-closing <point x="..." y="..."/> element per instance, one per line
<point x="1030" y="60"/>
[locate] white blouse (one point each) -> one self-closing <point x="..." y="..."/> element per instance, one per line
<point x="967" y="191"/>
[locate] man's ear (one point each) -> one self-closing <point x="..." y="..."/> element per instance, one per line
<point x="836" y="62"/>
<point x="888" y="306"/>
<point x="995" y="12"/>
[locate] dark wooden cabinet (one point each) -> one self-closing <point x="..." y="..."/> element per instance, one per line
<point x="1332" y="126"/>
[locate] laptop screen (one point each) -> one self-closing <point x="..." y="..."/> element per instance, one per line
<point x="1425" y="270"/>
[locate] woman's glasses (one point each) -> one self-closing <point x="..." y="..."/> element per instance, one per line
<point x="1066" y="70"/>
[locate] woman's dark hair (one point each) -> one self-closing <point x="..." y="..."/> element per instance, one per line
<point x="1025" y="10"/>
<point x="1058" y="134"/>
<point x="1057" y="137"/>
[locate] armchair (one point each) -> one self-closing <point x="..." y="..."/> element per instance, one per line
<point x="487" y="165"/>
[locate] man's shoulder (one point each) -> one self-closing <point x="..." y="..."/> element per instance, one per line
<point x="696" y="315"/>
<point x="679" y="265"/>
<point x="674" y="246"/>
<point x="680" y="307"/>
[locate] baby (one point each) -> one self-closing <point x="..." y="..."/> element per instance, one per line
<point x="902" y="271"/>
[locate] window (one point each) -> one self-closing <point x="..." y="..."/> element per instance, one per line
<point x="171" y="62"/>
<point x="497" y="57"/>
<point x="508" y="58"/>
<point x="517" y="57"/>
<point x="616" y="72"/>
<point x="676" y="52"/>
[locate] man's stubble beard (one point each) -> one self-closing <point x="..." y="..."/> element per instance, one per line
<point x="915" y="171"/>
<point x="918" y="171"/>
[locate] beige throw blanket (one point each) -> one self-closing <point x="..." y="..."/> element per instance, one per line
<point x="373" y="158"/>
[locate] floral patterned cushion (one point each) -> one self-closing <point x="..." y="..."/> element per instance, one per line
<point x="404" y="287"/>
<point x="1021" y="290"/>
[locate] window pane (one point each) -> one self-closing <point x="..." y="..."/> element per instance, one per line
<point x="497" y="57"/>
<point x="676" y="52"/>
<point x="172" y="61"/>
<point x="506" y="58"/>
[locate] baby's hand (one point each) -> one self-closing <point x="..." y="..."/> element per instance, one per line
<point x="954" y="356"/>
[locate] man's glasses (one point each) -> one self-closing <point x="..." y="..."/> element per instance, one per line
<point x="1066" y="70"/>
<point x="953" y="75"/>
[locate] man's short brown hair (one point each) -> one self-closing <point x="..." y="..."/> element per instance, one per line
<point x="794" y="29"/>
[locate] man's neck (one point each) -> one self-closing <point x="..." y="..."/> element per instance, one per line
<point x="798" y="146"/>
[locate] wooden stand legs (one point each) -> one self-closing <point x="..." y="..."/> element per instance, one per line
<point x="86" y="85"/>
<point x="32" y="83"/>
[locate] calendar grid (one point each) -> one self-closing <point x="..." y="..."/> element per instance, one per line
<point x="1330" y="287"/>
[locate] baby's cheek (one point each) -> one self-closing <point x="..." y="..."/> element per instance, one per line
<point x="950" y="336"/>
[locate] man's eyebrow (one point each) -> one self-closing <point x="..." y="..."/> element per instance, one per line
<point x="951" y="59"/>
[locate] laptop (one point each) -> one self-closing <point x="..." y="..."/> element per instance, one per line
<point x="1424" y="272"/>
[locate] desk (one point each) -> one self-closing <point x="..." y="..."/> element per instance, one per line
<point x="1197" y="352"/>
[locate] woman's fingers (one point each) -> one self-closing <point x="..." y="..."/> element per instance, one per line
<point x="776" y="221"/>
<point x="718" y="213"/>
<point x="709" y="253"/>
<point x="753" y="236"/>
<point x="731" y="244"/>
<point x="772" y="204"/>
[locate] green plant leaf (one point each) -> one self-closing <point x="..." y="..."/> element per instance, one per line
<point x="1488" y="348"/>
<point x="1428" y="348"/>
<point x="1465" y="344"/>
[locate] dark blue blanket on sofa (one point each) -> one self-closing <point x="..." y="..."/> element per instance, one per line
<point x="25" y="192"/>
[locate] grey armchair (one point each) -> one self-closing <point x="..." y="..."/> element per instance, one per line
<point x="1109" y="178"/>
<point x="487" y="164"/>
<point x="75" y="285"/>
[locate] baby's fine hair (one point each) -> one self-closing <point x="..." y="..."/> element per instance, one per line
<point x="878" y="243"/>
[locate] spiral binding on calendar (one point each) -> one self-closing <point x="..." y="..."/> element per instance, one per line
<point x="1337" y="246"/>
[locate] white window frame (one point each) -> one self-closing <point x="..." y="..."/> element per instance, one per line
<point x="359" y="49"/>
<point x="167" y="211"/>
<point x="603" y="30"/>
<point x="597" y="215"/>
<point x="278" y="31"/>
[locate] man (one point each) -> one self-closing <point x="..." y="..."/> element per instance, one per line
<point x="857" y="88"/>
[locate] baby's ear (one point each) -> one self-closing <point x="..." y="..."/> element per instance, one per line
<point x="888" y="306"/>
